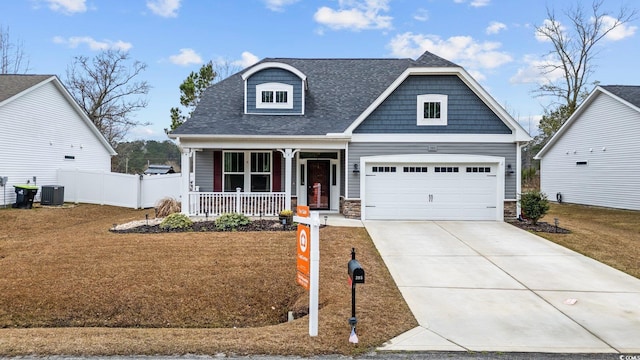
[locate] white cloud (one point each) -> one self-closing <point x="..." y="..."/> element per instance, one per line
<point x="186" y="57"/>
<point x="164" y="8"/>
<point x="95" y="45"/>
<point x="246" y="60"/>
<point x="67" y="6"/>
<point x="495" y="27"/>
<point x="474" y="3"/>
<point x="620" y="32"/>
<point x="421" y="15"/>
<point x="355" y="15"/>
<point x="532" y="72"/>
<point x="464" y="50"/>
<point x="480" y="3"/>
<point x="278" y="5"/>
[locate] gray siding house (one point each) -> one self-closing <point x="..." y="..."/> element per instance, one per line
<point x="593" y="159"/>
<point x="368" y="138"/>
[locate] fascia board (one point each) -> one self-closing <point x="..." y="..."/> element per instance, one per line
<point x="261" y="142"/>
<point x="433" y="138"/>
<point x="84" y="116"/>
<point x="273" y="64"/>
<point x="28" y="90"/>
<point x="576" y="114"/>
<point x="72" y="102"/>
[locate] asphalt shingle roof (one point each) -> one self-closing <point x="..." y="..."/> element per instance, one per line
<point x="339" y="90"/>
<point x="626" y="92"/>
<point x="11" y="85"/>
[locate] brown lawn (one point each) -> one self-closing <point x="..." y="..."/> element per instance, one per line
<point x="608" y="235"/>
<point x="69" y="286"/>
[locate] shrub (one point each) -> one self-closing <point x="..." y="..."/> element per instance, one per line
<point x="286" y="212"/>
<point x="231" y="221"/>
<point x="167" y="206"/>
<point x="176" y="221"/>
<point x="534" y="205"/>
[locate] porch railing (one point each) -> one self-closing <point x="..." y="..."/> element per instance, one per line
<point x="247" y="203"/>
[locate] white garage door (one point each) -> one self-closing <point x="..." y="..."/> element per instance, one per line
<point x="431" y="191"/>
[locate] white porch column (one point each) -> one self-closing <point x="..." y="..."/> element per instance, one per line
<point x="518" y="168"/>
<point x="288" y="173"/>
<point x="185" y="186"/>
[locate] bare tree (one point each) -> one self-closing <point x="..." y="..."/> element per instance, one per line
<point x="574" y="49"/>
<point x="12" y="57"/>
<point x="225" y="68"/>
<point x="106" y="88"/>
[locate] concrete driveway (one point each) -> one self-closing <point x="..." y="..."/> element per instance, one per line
<point x="489" y="286"/>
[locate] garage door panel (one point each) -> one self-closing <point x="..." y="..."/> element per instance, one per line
<point x="453" y="192"/>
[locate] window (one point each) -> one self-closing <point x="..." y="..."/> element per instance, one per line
<point x="383" y="169"/>
<point x="274" y="96"/>
<point x="233" y="171"/>
<point x="432" y="109"/>
<point x="444" y="169"/>
<point x="281" y="96"/>
<point x="260" y="172"/>
<point x="478" y="169"/>
<point x="256" y="176"/>
<point x="267" y="96"/>
<point x="415" y="169"/>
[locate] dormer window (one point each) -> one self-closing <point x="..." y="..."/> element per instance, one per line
<point x="274" y="96"/>
<point x="432" y="109"/>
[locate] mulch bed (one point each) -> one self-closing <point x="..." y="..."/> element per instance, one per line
<point x="209" y="225"/>
<point x="541" y="226"/>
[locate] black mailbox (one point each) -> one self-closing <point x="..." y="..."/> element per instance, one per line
<point x="356" y="272"/>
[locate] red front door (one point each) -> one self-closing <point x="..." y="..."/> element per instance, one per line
<point x="318" y="176"/>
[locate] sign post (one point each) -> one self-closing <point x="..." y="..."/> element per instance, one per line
<point x="308" y="260"/>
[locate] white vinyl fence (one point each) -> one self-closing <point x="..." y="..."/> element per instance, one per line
<point x="106" y="188"/>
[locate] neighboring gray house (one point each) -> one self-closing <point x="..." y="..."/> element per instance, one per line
<point x="369" y="138"/>
<point x="43" y="130"/>
<point x="594" y="158"/>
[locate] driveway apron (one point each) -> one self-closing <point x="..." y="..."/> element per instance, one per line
<point x="489" y="286"/>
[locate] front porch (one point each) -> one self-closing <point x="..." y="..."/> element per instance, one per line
<point x="262" y="181"/>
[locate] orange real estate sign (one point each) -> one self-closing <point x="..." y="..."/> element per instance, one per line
<point x="304" y="250"/>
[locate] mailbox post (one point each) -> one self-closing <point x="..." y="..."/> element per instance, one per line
<point x="356" y="276"/>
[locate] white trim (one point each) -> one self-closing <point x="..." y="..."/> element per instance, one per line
<point x="518" y="170"/>
<point x="433" y="138"/>
<point x="274" y="88"/>
<point x="273" y="64"/>
<point x="576" y="114"/>
<point x="249" y="143"/>
<point x="519" y="134"/>
<point x="267" y="65"/>
<point x="431" y="98"/>
<point x="72" y="102"/>
<point x="436" y="158"/>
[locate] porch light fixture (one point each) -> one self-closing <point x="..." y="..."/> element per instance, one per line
<point x="356" y="168"/>
<point x="509" y="170"/>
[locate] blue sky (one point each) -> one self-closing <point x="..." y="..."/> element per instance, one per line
<point x="493" y="39"/>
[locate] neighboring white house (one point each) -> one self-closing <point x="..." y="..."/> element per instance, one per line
<point x="42" y="130"/>
<point x="594" y="158"/>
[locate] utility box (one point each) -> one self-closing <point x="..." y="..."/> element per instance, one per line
<point x="52" y="195"/>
